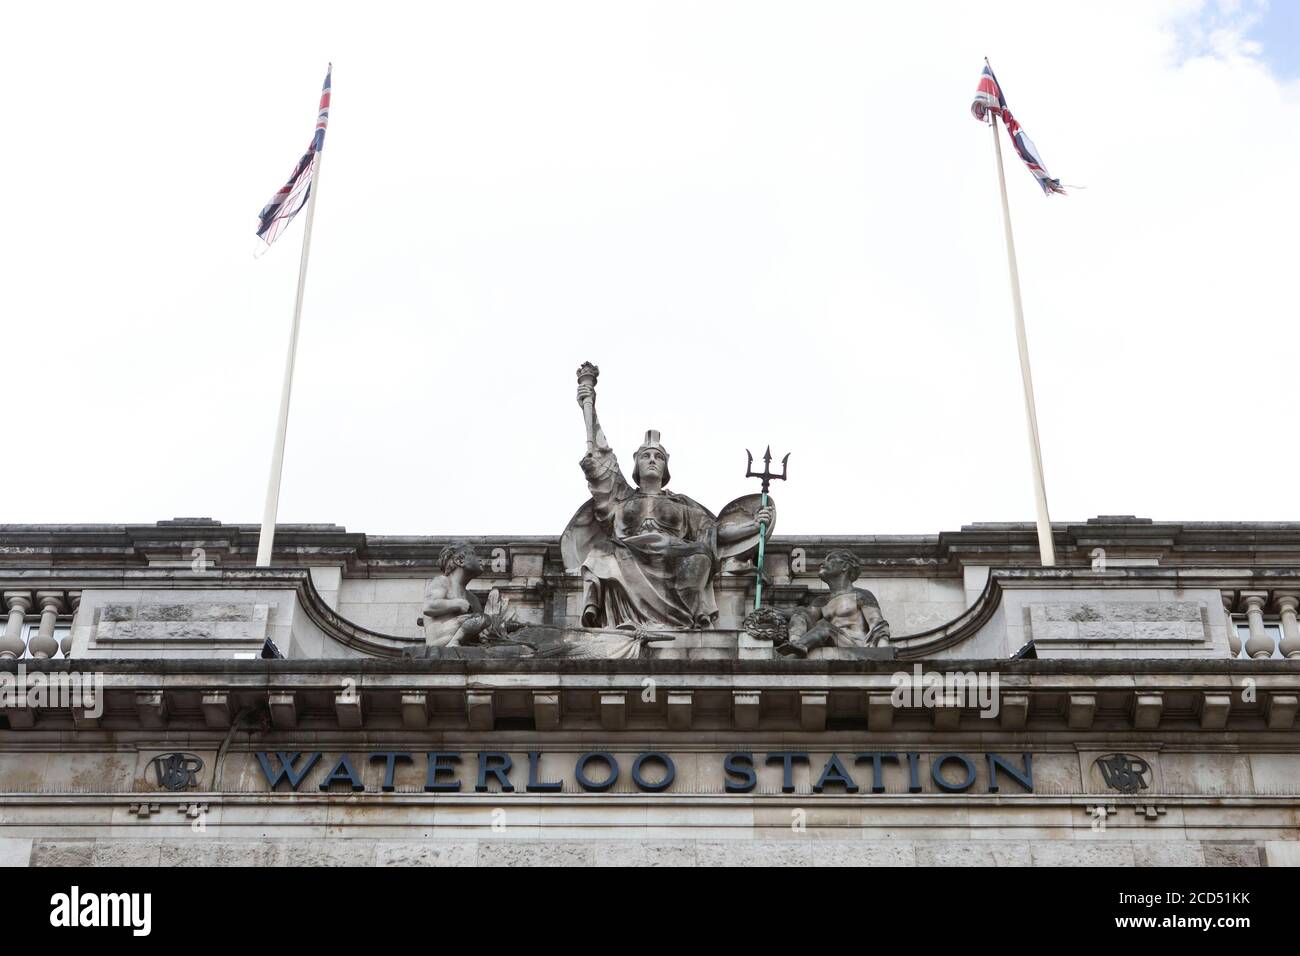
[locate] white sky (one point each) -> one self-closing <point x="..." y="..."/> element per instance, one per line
<point x="765" y="222"/>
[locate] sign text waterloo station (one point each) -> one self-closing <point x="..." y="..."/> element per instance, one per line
<point x="653" y="771"/>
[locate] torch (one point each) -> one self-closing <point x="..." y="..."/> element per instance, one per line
<point x="587" y="375"/>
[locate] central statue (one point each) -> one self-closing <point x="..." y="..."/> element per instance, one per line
<point x="648" y="556"/>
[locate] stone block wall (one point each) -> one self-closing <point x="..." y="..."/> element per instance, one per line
<point x="1113" y="622"/>
<point x="43" y="851"/>
<point x="216" y="623"/>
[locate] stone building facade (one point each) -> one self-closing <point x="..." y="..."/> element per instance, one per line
<point x="163" y="701"/>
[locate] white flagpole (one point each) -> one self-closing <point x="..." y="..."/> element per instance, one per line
<point x="1046" y="550"/>
<point x="266" y="540"/>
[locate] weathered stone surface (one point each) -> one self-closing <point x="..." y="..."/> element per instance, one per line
<point x="23" y="771"/>
<point x="111" y="613"/>
<point x="1230" y="854"/>
<point x="231" y="612"/>
<point x="165" y="612"/>
<point x="179" y="631"/>
<point x="1121" y="611"/>
<point x="923" y="616"/>
<point x="1282" y="852"/>
<point x="56" y="852"/>
<point x="1206" y="773"/>
<point x="15" y="851"/>
<point x="863" y="853"/>
<point x="972" y="853"/>
<point x="432" y="853"/>
<point x="756" y="854"/>
<point x="189" y="853"/>
<point x="1082" y="853"/>
<point x="1095" y="631"/>
<point x="799" y="850"/>
<point x="1159" y="631"/>
<point x="259" y="853"/>
<point x="345" y="852"/>
<point x="530" y="853"/>
<point x="127" y="853"/>
<point x="637" y="854"/>
<point x="1162" y="853"/>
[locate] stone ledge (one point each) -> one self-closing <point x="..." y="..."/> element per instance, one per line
<point x="632" y="852"/>
<point x="235" y="668"/>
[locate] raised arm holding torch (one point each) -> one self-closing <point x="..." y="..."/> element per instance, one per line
<point x="587" y="375"/>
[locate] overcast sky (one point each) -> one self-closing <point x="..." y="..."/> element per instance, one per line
<point x="764" y="222"/>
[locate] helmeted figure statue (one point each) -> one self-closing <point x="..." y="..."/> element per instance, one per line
<point x="647" y="555"/>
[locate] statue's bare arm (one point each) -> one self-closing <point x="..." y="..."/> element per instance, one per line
<point x="438" y="602"/>
<point x="746" y="529"/>
<point x="876" y="625"/>
<point x="737" y="530"/>
<point x="588" y="392"/>
<point x="600" y="465"/>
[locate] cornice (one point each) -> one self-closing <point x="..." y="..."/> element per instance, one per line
<point x="1171" y="701"/>
<point x="1224" y="543"/>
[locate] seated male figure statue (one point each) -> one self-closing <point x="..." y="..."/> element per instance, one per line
<point x="846" y="617"/>
<point x="452" y="615"/>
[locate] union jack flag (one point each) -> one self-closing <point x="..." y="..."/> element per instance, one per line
<point x="292" y="196"/>
<point x="989" y="99"/>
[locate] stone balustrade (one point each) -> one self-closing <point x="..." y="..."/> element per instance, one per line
<point x="1271" y="623"/>
<point x="48" y="640"/>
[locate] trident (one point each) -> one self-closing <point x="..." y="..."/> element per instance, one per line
<point x="766" y="476"/>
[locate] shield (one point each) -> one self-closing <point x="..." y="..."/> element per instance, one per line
<point x="742" y="511"/>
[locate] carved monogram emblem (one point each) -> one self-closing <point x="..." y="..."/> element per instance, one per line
<point x="177" y="771"/>
<point x="1124" y="772"/>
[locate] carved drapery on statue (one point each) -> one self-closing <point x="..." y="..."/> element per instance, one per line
<point x="648" y="559"/>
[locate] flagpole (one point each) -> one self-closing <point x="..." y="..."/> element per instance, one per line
<point x="1046" y="550"/>
<point x="266" y="540"/>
